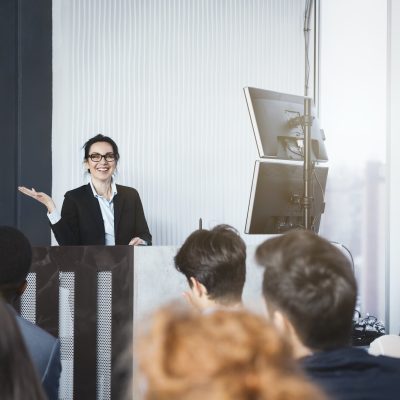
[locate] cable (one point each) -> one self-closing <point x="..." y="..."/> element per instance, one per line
<point x="319" y="184"/>
<point x="314" y="221"/>
<point x="323" y="197"/>
<point x="348" y="251"/>
<point x="299" y="153"/>
<point x="306" y="30"/>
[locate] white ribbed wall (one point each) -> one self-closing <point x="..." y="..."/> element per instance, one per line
<point x="164" y="78"/>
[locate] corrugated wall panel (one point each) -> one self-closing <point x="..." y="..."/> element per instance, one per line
<point x="164" y="78"/>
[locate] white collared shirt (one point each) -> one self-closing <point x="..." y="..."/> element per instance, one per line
<point x="107" y="212"/>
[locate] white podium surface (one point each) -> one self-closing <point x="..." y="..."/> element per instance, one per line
<point x="157" y="282"/>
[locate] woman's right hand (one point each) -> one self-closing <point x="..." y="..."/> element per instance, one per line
<point x="40" y="197"/>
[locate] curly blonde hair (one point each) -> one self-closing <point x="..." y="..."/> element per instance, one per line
<point x="218" y="356"/>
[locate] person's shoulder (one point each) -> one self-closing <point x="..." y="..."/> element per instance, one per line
<point x="44" y="350"/>
<point x="33" y="333"/>
<point x="347" y="358"/>
<point x="388" y="361"/>
<point x="79" y="191"/>
<point x="383" y="360"/>
<point x="336" y="371"/>
<point x="127" y="190"/>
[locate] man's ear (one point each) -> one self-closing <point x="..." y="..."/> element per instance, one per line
<point x="286" y="328"/>
<point x="197" y="287"/>
<point x="21" y="288"/>
<point x="281" y="322"/>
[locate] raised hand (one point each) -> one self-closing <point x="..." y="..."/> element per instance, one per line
<point x="40" y="197"/>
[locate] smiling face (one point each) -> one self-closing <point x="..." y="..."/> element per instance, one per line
<point x="101" y="170"/>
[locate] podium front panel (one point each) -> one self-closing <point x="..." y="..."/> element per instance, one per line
<point x="84" y="296"/>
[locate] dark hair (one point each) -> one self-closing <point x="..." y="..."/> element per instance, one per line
<point x="217" y="259"/>
<point x="18" y="378"/>
<point x="312" y="283"/>
<point x="15" y="259"/>
<point x="100" y="138"/>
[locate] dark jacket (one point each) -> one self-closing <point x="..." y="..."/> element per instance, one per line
<point x="353" y="374"/>
<point x="82" y="223"/>
<point x="44" y="350"/>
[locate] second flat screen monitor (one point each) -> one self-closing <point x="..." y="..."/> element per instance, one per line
<point x="275" y="199"/>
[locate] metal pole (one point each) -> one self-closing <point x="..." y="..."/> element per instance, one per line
<point x="307" y="171"/>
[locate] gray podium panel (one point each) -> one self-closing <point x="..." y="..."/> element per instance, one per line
<point x="156" y="281"/>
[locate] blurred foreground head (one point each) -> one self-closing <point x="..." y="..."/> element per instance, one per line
<point x="217" y="356"/>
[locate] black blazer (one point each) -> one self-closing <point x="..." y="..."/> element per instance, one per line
<point x="82" y="223"/>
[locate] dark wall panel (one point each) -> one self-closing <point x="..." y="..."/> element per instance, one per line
<point x="26" y="109"/>
<point x="8" y="110"/>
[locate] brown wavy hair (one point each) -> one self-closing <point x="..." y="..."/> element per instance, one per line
<point x="217" y="356"/>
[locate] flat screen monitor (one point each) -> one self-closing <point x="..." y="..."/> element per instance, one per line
<point x="276" y="193"/>
<point x="278" y="125"/>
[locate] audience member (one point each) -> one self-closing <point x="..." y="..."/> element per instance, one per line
<point x="386" y="345"/>
<point x="223" y="355"/>
<point x="18" y="378"/>
<point x="214" y="263"/>
<point x="310" y="292"/>
<point x="44" y="349"/>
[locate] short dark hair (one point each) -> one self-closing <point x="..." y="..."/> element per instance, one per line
<point x="15" y="257"/>
<point x="217" y="259"/>
<point x="311" y="281"/>
<point x="100" y="138"/>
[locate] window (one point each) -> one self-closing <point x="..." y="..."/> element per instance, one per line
<point x="353" y="80"/>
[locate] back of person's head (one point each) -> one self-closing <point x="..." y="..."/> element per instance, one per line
<point x="217" y="259"/>
<point x="18" y="378"/>
<point x="312" y="283"/>
<point x="15" y="259"/>
<point x="221" y="355"/>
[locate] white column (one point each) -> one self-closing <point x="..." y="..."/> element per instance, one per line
<point x="393" y="146"/>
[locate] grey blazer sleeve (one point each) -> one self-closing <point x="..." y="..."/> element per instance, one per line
<point x="51" y="377"/>
<point x="44" y="350"/>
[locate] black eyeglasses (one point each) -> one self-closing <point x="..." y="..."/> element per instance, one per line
<point x="96" y="157"/>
